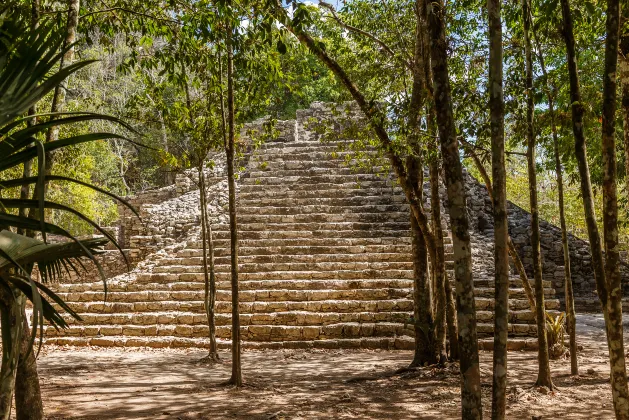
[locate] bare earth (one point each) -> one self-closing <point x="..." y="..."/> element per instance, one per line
<point x="172" y="384"/>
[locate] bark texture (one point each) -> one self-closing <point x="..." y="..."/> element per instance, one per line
<point x="620" y="391"/>
<point x="236" y="378"/>
<point x="28" y="400"/>
<point x="11" y="325"/>
<point x="569" y="296"/>
<point x="499" y="200"/>
<point x="209" y="271"/>
<point x="439" y="265"/>
<point x="423" y="316"/>
<point x="608" y="292"/>
<point x="543" y="373"/>
<point x="466" y="310"/>
<point x="623" y="69"/>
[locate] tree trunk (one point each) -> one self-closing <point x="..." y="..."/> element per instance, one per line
<point x="569" y="297"/>
<point x="610" y="215"/>
<point x="11" y="327"/>
<point x="543" y="374"/>
<point x="445" y="310"/>
<point x="610" y="297"/>
<point x="499" y="200"/>
<point x="457" y="206"/>
<point x="209" y="273"/>
<point x="439" y="265"/>
<point x="624" y="80"/>
<point x="169" y="175"/>
<point x="236" y="378"/>
<point x="28" y="400"/>
<point x="423" y="322"/>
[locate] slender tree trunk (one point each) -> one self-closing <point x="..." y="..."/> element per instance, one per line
<point x="169" y="175"/>
<point x="610" y="215"/>
<point x="445" y="310"/>
<point x="569" y="297"/>
<point x="439" y="265"/>
<point x="609" y="293"/>
<point x="209" y="273"/>
<point x="457" y="205"/>
<point x="543" y="374"/>
<point x="499" y="200"/>
<point x="624" y="80"/>
<point x="424" y="321"/>
<point x="428" y="348"/>
<point x="59" y="96"/>
<point x="11" y="326"/>
<point x="236" y="377"/>
<point x="28" y="400"/>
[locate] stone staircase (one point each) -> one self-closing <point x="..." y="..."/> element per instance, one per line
<point x="325" y="262"/>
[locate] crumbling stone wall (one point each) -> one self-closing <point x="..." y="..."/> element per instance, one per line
<point x="479" y="206"/>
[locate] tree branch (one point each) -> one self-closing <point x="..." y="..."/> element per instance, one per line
<point x="351" y="28"/>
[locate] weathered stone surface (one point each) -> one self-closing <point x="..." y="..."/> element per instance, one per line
<point x="324" y="257"/>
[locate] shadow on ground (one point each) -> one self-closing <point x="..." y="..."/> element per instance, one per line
<point x="171" y="384"/>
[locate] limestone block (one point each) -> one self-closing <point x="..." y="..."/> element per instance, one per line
<point x="332" y="331"/>
<point x="183" y="330"/>
<point x="110" y="330"/>
<point x="133" y="330"/>
<point x="311" y="332"/>
<point x="102" y="342"/>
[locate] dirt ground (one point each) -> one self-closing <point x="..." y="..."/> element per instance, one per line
<point x="296" y="384"/>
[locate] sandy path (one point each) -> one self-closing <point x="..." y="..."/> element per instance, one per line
<point x="171" y="384"/>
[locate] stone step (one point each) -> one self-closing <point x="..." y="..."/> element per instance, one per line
<point x="245" y="295"/>
<point x="224" y="307"/>
<point x="339" y="170"/>
<point x="255" y="193"/>
<point x="376" y="251"/>
<point x="222" y="257"/>
<point x="485" y="329"/>
<point x="290" y="148"/>
<point x="296" y="318"/>
<point x="173" y="283"/>
<point x="325" y="218"/>
<point x="373" y="306"/>
<point x="348" y="201"/>
<point x="258" y="247"/>
<point x="325" y="267"/>
<point x="318" y="229"/>
<point x="398" y="343"/>
<point x="308" y="154"/>
<point x="248" y="333"/>
<point x="315" y="209"/>
<point x="305" y="236"/>
<point x="293" y="318"/>
<point x="341" y="188"/>
<point x="188" y="275"/>
<point x="259" y="163"/>
<point x="363" y="180"/>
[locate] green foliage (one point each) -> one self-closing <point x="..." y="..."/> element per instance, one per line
<point x="28" y="60"/>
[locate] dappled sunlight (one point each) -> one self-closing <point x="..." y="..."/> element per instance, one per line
<point x="301" y="384"/>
